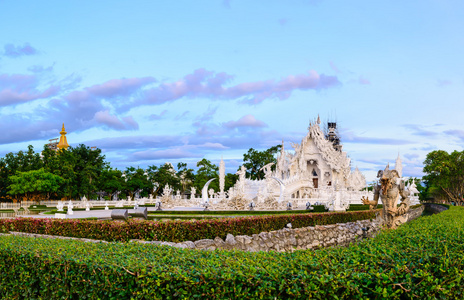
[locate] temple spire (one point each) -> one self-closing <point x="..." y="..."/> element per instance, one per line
<point x="63" y="144"/>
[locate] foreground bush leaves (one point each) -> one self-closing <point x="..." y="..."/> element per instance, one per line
<point x="423" y="259"/>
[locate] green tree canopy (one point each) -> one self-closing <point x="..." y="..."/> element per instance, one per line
<point x="254" y="160"/>
<point x="445" y="175"/>
<point x="162" y="175"/>
<point x="206" y="171"/>
<point x="31" y="183"/>
<point x="111" y="181"/>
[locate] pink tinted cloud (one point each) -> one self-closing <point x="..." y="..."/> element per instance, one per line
<point x="179" y="152"/>
<point x="11" y="97"/>
<point x="363" y="80"/>
<point x="443" y="82"/>
<point x="11" y="50"/>
<point x="245" y="121"/>
<point x="18" y="88"/>
<point x="112" y="121"/>
<point x="157" y="117"/>
<point x="334" y="67"/>
<point x="203" y="83"/>
<point x="85" y="108"/>
<point x="119" y="87"/>
<point x="283" y="22"/>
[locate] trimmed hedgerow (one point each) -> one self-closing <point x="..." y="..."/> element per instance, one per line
<point x="317" y="208"/>
<point x="175" y="231"/>
<point x="422" y="259"/>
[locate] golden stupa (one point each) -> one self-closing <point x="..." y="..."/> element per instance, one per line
<point x="63" y="144"/>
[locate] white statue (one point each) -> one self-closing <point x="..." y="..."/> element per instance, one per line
<point x="241" y="179"/>
<point x="60" y="206"/>
<point x="167" y="190"/>
<point x="193" y="190"/>
<point x="267" y="170"/>
<point x="70" y="207"/>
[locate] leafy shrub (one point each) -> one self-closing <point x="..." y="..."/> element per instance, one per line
<point x="317" y="208"/>
<point x="419" y="260"/>
<point x="175" y="231"/>
<point x="356" y="207"/>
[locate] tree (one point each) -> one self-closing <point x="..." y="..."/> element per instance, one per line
<point x="110" y="181"/>
<point x="35" y="182"/>
<point x="206" y="171"/>
<point x="17" y="162"/>
<point x="254" y="160"/>
<point x="88" y="165"/>
<point x="186" y="176"/>
<point x="230" y="181"/>
<point x="445" y="175"/>
<point x="162" y="175"/>
<point x="136" y="179"/>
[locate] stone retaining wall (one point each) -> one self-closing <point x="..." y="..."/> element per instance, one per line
<point x="435" y="208"/>
<point x="415" y="213"/>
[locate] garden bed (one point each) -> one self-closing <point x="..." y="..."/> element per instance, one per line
<point x="176" y="231"/>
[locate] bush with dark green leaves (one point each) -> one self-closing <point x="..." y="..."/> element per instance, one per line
<point x="317" y="208"/>
<point x="422" y="259"/>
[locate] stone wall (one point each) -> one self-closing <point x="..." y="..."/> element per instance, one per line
<point x="415" y="213"/>
<point x="434" y="208"/>
<point x="288" y="239"/>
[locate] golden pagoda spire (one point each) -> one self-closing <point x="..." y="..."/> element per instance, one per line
<point x="63" y="144"/>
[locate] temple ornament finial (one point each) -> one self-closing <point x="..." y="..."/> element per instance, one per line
<point x="63" y="144"/>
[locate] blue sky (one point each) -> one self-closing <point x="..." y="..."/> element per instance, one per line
<point x="156" y="81"/>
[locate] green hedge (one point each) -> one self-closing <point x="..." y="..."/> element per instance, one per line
<point x="317" y="208"/>
<point x="175" y="231"/>
<point x="420" y="260"/>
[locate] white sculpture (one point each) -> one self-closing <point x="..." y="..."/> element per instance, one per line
<point x="60" y="206"/>
<point x="413" y="193"/>
<point x="70" y="207"/>
<point x="193" y="190"/>
<point x="241" y="179"/>
<point x="222" y="176"/>
<point x="211" y="193"/>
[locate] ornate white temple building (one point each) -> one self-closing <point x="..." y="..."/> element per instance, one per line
<point x="318" y="162"/>
<point x="315" y="171"/>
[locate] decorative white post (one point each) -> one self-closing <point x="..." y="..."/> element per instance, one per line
<point x="222" y="177"/>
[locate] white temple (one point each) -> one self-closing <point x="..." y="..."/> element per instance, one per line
<point x="317" y="171"/>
